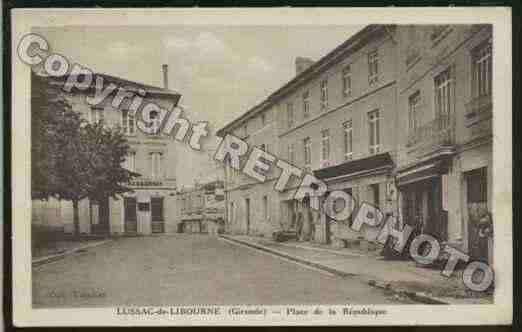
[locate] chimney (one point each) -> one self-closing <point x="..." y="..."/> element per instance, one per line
<point x="165" y="68"/>
<point x="302" y="64"/>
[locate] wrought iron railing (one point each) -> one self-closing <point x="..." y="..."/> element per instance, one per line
<point x="440" y="130"/>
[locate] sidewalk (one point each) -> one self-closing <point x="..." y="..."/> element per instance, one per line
<point x="59" y="249"/>
<point x="403" y="277"/>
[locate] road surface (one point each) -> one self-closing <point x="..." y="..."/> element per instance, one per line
<point x="185" y="269"/>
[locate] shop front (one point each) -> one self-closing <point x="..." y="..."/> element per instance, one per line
<point x="367" y="180"/>
<point x="423" y="191"/>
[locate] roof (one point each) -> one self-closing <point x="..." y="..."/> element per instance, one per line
<point x="150" y="89"/>
<point x="355" y="166"/>
<point x="350" y="45"/>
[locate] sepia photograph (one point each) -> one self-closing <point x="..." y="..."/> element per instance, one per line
<point x="211" y="167"/>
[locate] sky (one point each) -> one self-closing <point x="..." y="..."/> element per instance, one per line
<point x="220" y="71"/>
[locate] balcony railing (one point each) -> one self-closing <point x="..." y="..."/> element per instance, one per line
<point x="439" y="131"/>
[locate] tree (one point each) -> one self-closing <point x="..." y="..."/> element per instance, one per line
<point x="72" y="159"/>
<point x="106" y="150"/>
<point x="47" y="108"/>
<point x="89" y="165"/>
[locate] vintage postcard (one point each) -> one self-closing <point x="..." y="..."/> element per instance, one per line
<point x="282" y="166"/>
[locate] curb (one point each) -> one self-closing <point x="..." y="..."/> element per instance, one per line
<point x="51" y="258"/>
<point x="290" y="257"/>
<point x="415" y="296"/>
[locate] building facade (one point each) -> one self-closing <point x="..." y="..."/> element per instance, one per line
<point x="202" y="208"/>
<point x="150" y="208"/>
<point x="397" y="116"/>
<point x="336" y="116"/>
<point x="444" y="169"/>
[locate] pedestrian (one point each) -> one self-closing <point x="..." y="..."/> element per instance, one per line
<point x="485" y="235"/>
<point x="299" y="225"/>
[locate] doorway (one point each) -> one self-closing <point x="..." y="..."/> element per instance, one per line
<point x="422" y="208"/>
<point x="476" y="182"/>
<point x="157" y="218"/>
<point x="129" y="215"/>
<point x="100" y="216"/>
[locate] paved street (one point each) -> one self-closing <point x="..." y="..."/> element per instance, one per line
<point x="188" y="269"/>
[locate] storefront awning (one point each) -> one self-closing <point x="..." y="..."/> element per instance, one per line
<point x="348" y="168"/>
<point x="418" y="174"/>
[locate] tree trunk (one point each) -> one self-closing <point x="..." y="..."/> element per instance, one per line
<point x="76" y="218"/>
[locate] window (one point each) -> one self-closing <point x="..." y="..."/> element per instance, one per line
<point x="96" y="115"/>
<point x="156" y="159"/>
<point x="324" y="94"/>
<point x="263" y="119"/>
<point x="265" y="208"/>
<point x="307" y="151"/>
<point x="306" y="104"/>
<point x="347" y="81"/>
<point x="130" y="161"/>
<point x="291" y="153"/>
<point x="373" y="67"/>
<point x="443" y="97"/>
<point x="290" y="114"/>
<point x="348" y="140"/>
<point x="325" y="144"/>
<point x="245" y="130"/>
<point x="414" y="116"/>
<point x="373" y="130"/>
<point x="482" y="70"/>
<point x="127" y="122"/>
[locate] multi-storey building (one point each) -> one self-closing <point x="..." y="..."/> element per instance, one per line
<point x="336" y="118"/>
<point x="252" y="207"/>
<point x="445" y="145"/>
<point x="150" y="207"/>
<point x="397" y="116"/>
